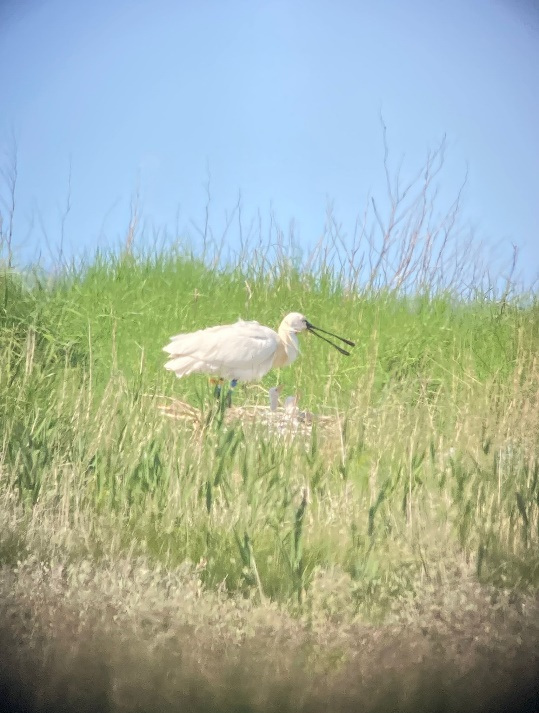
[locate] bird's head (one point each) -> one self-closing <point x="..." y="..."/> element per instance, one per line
<point x="296" y="322"/>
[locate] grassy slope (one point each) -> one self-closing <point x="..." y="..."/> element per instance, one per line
<point x="435" y="450"/>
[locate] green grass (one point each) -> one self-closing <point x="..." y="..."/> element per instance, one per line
<point x="433" y="455"/>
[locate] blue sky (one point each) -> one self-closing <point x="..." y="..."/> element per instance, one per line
<point x="279" y="100"/>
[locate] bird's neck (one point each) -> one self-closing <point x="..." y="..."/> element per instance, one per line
<point x="288" y="348"/>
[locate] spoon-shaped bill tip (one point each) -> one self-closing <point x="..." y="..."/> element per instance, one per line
<point x="316" y="330"/>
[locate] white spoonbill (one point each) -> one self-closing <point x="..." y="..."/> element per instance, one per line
<point x="244" y="351"/>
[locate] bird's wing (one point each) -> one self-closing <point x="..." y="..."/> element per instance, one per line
<point x="243" y="350"/>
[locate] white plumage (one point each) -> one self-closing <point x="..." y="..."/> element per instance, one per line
<point x="243" y="351"/>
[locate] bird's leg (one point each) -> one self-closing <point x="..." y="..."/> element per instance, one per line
<point x="233" y="385"/>
<point x="217" y="391"/>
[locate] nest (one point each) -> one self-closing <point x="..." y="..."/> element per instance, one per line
<point x="286" y="420"/>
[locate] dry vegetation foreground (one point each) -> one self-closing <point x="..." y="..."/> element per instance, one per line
<point x="116" y="637"/>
